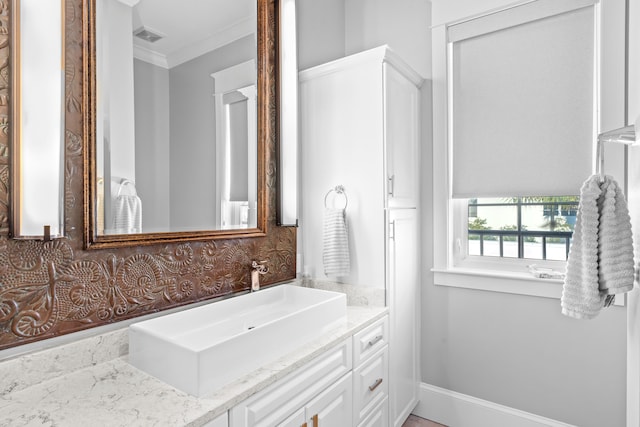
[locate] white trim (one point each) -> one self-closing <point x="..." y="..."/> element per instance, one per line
<point x="507" y="282"/>
<point x="223" y="37"/>
<point x="496" y="281"/>
<point x="376" y="54"/>
<point x="150" y="56"/>
<point x="463" y="16"/>
<point x="512" y="17"/>
<point x="130" y="3"/>
<point x="459" y="410"/>
<point x="235" y="77"/>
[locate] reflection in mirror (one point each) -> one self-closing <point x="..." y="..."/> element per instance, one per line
<point x="176" y="116"/>
<point x="37" y="146"/>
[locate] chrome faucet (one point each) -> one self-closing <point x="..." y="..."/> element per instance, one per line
<point x="258" y="269"/>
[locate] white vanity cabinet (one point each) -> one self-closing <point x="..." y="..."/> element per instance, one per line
<point x="332" y="407"/>
<point x="321" y="388"/>
<point x="339" y="388"/>
<point x="360" y="128"/>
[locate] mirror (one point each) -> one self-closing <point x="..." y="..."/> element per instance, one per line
<point x="178" y="95"/>
<point x="37" y="117"/>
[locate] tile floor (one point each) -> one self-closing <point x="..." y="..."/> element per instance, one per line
<point x="414" y="421"/>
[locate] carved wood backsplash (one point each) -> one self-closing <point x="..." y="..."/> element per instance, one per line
<point x="53" y="288"/>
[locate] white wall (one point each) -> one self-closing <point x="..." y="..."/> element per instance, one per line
<point x="402" y="24"/>
<point x="321" y="30"/>
<point x="116" y="77"/>
<point x="331" y="29"/>
<point x="193" y="133"/>
<point x="152" y="144"/>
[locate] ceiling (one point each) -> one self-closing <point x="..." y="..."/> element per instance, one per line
<point x="190" y="27"/>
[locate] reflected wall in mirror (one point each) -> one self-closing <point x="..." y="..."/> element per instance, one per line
<point x="37" y="113"/>
<point x="176" y="141"/>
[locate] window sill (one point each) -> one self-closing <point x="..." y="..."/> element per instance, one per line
<point x="500" y="281"/>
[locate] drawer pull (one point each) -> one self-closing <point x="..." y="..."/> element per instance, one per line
<point x="375" y="340"/>
<point x="315" y="420"/>
<point x="376" y="384"/>
<point x="304" y="425"/>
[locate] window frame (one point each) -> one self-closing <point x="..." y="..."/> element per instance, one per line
<point x="450" y="219"/>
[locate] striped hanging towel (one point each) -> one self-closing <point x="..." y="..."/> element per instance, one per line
<point x="600" y="262"/>
<point x="335" y="252"/>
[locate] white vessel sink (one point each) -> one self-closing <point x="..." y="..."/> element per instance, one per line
<point x="201" y="349"/>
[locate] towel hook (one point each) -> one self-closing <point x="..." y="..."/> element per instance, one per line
<point x="600" y="159"/>
<point x="338" y="189"/>
<point x="626" y="135"/>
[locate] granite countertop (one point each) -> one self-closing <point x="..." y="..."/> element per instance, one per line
<point x="42" y="390"/>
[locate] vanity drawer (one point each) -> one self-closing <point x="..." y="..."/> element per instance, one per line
<point x="370" y="385"/>
<point x="370" y="340"/>
<point x="379" y="416"/>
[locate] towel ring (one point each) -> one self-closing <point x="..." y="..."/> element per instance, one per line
<point x="339" y="189"/>
<point x="124" y="182"/>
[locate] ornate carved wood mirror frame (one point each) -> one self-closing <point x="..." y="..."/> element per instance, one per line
<point x="267" y="112"/>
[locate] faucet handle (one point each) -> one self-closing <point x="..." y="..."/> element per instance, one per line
<point x="260" y="267"/>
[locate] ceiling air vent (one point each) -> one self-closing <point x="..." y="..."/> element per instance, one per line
<point x="147" y="35"/>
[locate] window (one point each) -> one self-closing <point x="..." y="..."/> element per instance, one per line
<point x="519" y="97"/>
<point x="537" y="228"/>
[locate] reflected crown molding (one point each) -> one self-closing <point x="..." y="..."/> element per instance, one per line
<point x="130" y="3"/>
<point x="150" y="56"/>
<point x="221" y="38"/>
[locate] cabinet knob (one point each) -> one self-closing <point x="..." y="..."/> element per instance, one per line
<point x="376" y="384"/>
<point x="315" y="420"/>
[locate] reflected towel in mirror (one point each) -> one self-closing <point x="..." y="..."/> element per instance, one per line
<point x="126" y="210"/>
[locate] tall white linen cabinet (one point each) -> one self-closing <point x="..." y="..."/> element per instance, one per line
<point x="360" y="129"/>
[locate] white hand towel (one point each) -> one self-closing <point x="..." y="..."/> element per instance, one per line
<point x="601" y="256"/>
<point x="126" y="212"/>
<point x="335" y="252"/>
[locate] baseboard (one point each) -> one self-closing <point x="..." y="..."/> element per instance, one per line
<point x="460" y="410"/>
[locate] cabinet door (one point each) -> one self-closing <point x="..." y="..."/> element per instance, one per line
<point x="278" y="402"/>
<point x="333" y="407"/>
<point x="402" y="136"/>
<point x="296" y="420"/>
<point x="403" y="299"/>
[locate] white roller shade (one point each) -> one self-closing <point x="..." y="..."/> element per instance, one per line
<point x="522" y="104"/>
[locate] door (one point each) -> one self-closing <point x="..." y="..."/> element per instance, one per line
<point x="403" y="299"/>
<point x="401" y="137"/>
